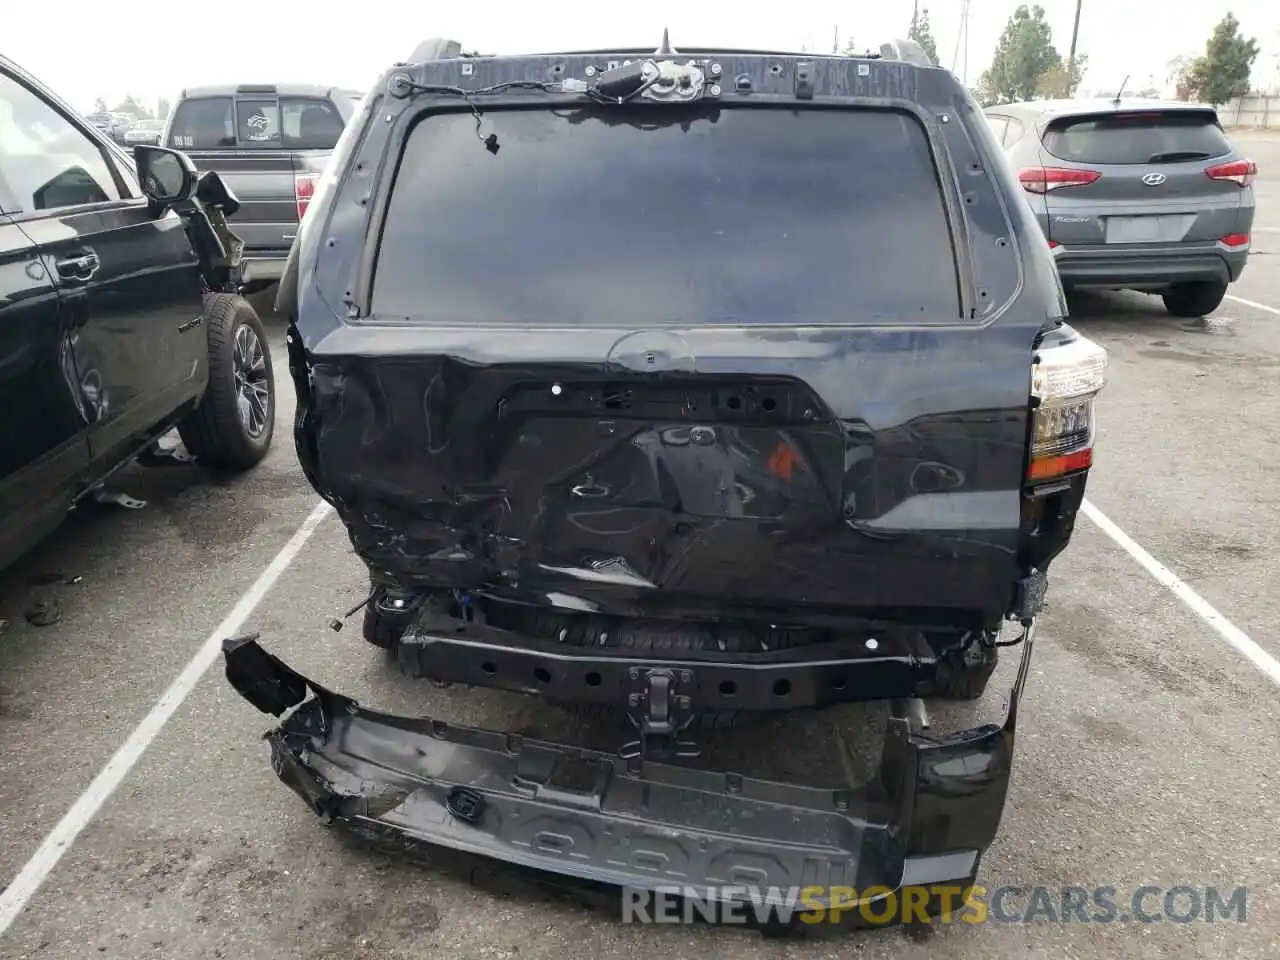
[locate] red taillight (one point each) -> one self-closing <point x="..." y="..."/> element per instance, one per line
<point x="1044" y="179"/>
<point x="1239" y="172"/>
<point x="1053" y="244"/>
<point x="304" y="188"/>
<point x="1235" y="240"/>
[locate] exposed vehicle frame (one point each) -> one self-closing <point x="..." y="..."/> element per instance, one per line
<point x="642" y="817"/>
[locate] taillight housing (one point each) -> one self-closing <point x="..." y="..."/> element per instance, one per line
<point x="304" y="188"/>
<point x="1044" y="179"/>
<point x="1065" y="380"/>
<point x="1240" y="172"/>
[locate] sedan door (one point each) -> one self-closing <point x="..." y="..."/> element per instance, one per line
<point x="43" y="432"/>
<point x="128" y="281"/>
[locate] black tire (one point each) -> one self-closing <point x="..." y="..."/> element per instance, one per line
<point x="964" y="674"/>
<point x="215" y="433"/>
<point x="1194" y="299"/>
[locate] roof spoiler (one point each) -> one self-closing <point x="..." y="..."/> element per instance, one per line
<point x="436" y="48"/>
<point x="906" y="51"/>
<point x="442" y="48"/>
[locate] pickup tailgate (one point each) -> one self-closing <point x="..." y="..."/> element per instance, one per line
<point x="265" y="184"/>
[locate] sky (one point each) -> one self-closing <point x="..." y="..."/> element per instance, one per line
<point x="104" y="50"/>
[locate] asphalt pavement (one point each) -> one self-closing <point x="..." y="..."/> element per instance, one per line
<point x="1147" y="743"/>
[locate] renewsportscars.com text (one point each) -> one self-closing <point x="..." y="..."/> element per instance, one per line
<point x="972" y="904"/>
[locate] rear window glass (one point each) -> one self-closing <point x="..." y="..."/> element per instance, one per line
<point x="203" y="124"/>
<point x="1139" y="138"/>
<point x="258" y="121"/>
<point x="310" y="124"/>
<point x="298" y="123"/>
<point x="733" y="216"/>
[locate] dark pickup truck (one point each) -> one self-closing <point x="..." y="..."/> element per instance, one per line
<point x="269" y="143"/>
<point x="681" y="388"/>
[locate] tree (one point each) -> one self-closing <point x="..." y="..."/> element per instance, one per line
<point x="921" y="33"/>
<point x="1061" y="81"/>
<point x="1222" y="72"/>
<point x="99" y="105"/>
<point x="1176" y="75"/>
<point x="163" y="106"/>
<point x="1024" y="54"/>
<point x="1176" y="72"/>
<point x="133" y="107"/>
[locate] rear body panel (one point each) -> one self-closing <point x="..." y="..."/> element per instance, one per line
<point x="887" y="474"/>
<point x="636" y="467"/>
<point x="1152" y="216"/>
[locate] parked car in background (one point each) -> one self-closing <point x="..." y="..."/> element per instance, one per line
<point x="1134" y="194"/>
<point x="114" y="125"/>
<point x="269" y="142"/>
<point x="145" y="132"/>
<point x="118" y="316"/>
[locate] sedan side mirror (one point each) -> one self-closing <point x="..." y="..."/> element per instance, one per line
<point x="168" y="177"/>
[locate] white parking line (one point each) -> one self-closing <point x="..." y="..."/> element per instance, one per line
<point x="1254" y="304"/>
<point x="1198" y="605"/>
<point x="24" y="886"/>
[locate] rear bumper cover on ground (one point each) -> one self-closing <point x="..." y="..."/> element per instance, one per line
<point x="922" y="823"/>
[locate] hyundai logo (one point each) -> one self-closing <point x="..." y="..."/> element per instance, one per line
<point x="1154" y="179"/>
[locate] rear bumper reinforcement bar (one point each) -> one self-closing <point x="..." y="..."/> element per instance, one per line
<point x="783" y="680"/>
<point x="921" y="824"/>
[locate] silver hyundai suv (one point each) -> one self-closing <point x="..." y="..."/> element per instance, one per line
<point x="1143" y="195"/>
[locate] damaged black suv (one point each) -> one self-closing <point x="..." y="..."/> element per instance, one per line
<point x="689" y="387"/>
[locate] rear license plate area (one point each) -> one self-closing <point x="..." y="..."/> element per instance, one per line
<point x="1155" y="228"/>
